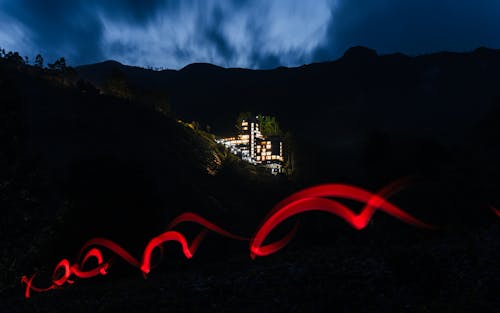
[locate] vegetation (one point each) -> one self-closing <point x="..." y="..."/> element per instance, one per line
<point x="58" y="65"/>
<point x="116" y="85"/>
<point x="242" y="117"/>
<point x="269" y="126"/>
<point x="13" y="58"/>
<point x="38" y="61"/>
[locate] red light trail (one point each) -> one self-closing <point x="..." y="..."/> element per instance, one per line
<point x="496" y="211"/>
<point x="318" y="198"/>
<point x="314" y="199"/>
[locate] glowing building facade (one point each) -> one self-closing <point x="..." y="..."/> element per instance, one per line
<point x="250" y="145"/>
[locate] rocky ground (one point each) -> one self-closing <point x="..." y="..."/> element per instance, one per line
<point x="441" y="272"/>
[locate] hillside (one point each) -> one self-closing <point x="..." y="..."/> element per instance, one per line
<point x="361" y="92"/>
<point x="78" y="163"/>
<point x="364" y="118"/>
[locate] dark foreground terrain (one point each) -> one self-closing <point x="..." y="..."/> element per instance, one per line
<point x="441" y="272"/>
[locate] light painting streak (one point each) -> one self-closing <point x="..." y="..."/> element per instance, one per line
<point x="496" y="211"/>
<point x="318" y="198"/>
<point x="314" y="199"/>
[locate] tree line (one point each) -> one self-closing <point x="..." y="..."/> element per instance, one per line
<point x="15" y="58"/>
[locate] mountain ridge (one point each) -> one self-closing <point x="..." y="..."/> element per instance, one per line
<point x="358" y="82"/>
<point x="349" y="52"/>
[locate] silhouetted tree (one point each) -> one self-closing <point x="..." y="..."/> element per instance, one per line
<point x="241" y="117"/>
<point x="38" y="61"/>
<point x="14" y="57"/>
<point x="269" y="126"/>
<point x="58" y="65"/>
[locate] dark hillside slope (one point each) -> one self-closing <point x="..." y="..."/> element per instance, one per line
<point x="439" y="94"/>
<point x="364" y="118"/>
<point x="98" y="166"/>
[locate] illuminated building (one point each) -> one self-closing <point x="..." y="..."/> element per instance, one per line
<point x="251" y="146"/>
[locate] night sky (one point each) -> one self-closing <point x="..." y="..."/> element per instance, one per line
<point x="241" y="33"/>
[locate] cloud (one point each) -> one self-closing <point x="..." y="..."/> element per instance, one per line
<point x="241" y="33"/>
<point x="55" y="28"/>
<point x="411" y="26"/>
<point x="14" y="36"/>
<point x="258" y="34"/>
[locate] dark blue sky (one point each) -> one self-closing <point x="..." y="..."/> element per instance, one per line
<point x="242" y="33"/>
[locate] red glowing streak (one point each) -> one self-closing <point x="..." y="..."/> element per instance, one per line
<point x="110" y="245"/>
<point x="29" y="286"/>
<point x="101" y="269"/>
<point x="496" y="211"/>
<point x="176" y="236"/>
<point x="145" y="266"/>
<point x="311" y="199"/>
<point x="155" y="242"/>
<point x="194" y="218"/>
<point x="68" y="270"/>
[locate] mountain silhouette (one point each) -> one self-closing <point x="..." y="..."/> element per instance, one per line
<point x="337" y="108"/>
<point x="441" y="95"/>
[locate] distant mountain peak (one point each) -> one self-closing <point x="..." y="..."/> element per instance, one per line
<point x="111" y="62"/>
<point x="485" y="51"/>
<point x="200" y="67"/>
<point x="359" y="52"/>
